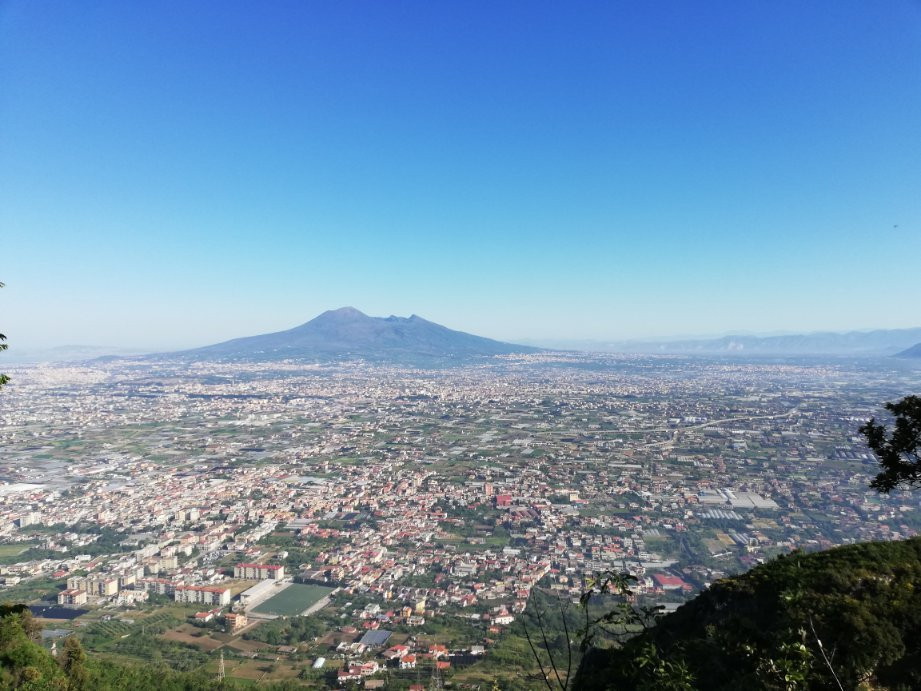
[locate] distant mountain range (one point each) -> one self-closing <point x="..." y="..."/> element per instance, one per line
<point x="879" y="342"/>
<point x="913" y="352"/>
<point x="347" y="334"/>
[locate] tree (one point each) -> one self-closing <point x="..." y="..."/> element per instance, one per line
<point x="23" y="663"/>
<point x="74" y="663"/>
<point x="899" y="454"/>
<point x="3" y="346"/>
<point x="26" y="621"/>
<point x="609" y="617"/>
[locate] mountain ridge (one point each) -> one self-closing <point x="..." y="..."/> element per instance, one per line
<point x="912" y="352"/>
<point x="882" y="342"/>
<point x="347" y="333"/>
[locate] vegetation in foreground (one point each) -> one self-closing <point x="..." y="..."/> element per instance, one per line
<point x="843" y="618"/>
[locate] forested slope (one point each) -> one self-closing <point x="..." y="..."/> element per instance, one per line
<point x="859" y="606"/>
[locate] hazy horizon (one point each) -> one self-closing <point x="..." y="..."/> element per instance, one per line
<point x="18" y="350"/>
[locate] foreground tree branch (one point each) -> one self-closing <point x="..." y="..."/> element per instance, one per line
<point x="899" y="453"/>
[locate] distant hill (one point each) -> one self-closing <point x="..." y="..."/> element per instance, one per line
<point x="881" y="342"/>
<point x="755" y="631"/>
<point x="913" y="352"/>
<point x="347" y="334"/>
<point x="68" y="353"/>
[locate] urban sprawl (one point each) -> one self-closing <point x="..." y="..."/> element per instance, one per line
<point x="358" y="523"/>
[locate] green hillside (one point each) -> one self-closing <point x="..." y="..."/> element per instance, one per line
<point x="762" y="630"/>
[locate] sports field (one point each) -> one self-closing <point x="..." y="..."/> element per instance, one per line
<point x="293" y="600"/>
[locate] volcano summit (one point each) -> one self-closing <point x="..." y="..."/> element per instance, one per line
<point x="348" y="334"/>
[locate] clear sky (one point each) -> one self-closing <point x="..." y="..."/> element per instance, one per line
<point x="178" y="173"/>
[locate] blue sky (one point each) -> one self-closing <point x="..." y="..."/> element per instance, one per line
<point x="176" y="173"/>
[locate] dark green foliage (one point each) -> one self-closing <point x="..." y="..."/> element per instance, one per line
<point x="23" y="663"/>
<point x="73" y="661"/>
<point x="773" y="627"/>
<point x="900" y="453"/>
<point x="3" y="346"/>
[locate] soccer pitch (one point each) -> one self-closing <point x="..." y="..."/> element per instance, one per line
<point x="293" y="600"/>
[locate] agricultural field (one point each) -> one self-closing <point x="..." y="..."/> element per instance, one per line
<point x="190" y="635"/>
<point x="293" y="600"/>
<point x="100" y="633"/>
<point x="262" y="670"/>
<point x="14" y="549"/>
<point x="245" y="647"/>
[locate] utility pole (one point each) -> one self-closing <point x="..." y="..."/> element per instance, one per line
<point x="435" y="684"/>
<point x="220" y="669"/>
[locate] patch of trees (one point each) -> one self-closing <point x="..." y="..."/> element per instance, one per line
<point x="290" y="631"/>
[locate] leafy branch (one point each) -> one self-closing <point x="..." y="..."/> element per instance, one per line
<point x="899" y="453"/>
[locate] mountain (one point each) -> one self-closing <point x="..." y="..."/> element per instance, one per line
<point x="347" y="334"/>
<point x="859" y="604"/>
<point x="913" y="352"/>
<point x="879" y="342"/>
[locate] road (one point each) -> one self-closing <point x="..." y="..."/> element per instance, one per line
<point x="676" y="432"/>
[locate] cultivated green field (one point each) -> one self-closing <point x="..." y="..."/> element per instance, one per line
<point x="12" y="550"/>
<point x="293" y="600"/>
